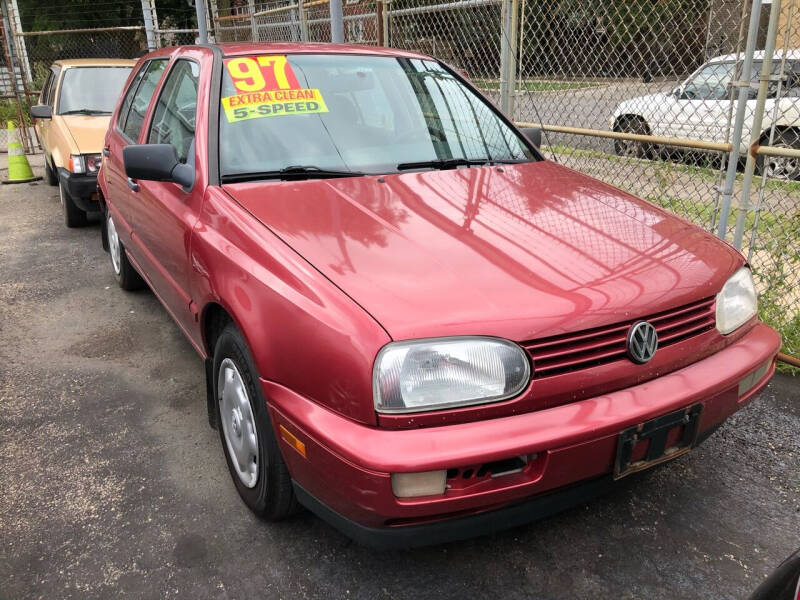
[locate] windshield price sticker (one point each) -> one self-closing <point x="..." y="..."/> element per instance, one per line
<point x="260" y="73"/>
<point x="273" y="104"/>
<point x="266" y="86"/>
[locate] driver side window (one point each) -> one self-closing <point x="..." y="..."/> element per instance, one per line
<point x="174" y="117"/>
<point x="710" y="83"/>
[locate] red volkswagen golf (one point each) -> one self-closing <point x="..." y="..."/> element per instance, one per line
<point x="412" y="323"/>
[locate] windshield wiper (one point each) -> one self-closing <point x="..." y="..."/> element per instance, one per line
<point x="443" y="163"/>
<point x="85" y="111"/>
<point x="452" y="163"/>
<point x="293" y="172"/>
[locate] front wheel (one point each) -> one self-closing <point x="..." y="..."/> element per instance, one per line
<point x="782" y="168"/>
<point x="50" y="174"/>
<point x="73" y="216"/>
<point x="251" y="449"/>
<point x="631" y="148"/>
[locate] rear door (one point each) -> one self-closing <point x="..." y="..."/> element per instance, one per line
<point x="127" y="130"/>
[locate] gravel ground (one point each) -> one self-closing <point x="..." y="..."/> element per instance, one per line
<point x="113" y="485"/>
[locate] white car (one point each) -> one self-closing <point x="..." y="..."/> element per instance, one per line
<point x="700" y="109"/>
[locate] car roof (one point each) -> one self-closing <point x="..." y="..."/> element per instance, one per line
<point x="245" y="48"/>
<point x="791" y="54"/>
<point x="95" y="62"/>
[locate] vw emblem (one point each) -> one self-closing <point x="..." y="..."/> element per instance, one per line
<point x="642" y="342"/>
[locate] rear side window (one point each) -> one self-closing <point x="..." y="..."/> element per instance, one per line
<point x="137" y="99"/>
<point x="174" y="117"/>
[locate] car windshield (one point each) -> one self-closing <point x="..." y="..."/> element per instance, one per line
<point x="91" y="90"/>
<point x="330" y="115"/>
<point x="713" y="80"/>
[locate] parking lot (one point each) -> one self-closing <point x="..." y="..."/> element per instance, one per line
<point x="112" y="484"/>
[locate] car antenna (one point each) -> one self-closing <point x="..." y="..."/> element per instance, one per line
<point x="533" y="103"/>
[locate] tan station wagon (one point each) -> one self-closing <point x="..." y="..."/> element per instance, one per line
<point x="71" y="119"/>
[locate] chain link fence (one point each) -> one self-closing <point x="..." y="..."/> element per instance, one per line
<point x="638" y="93"/>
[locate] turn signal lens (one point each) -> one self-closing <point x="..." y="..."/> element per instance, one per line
<point x="292" y="440"/>
<point x="412" y="485"/>
<point x="76" y="163"/>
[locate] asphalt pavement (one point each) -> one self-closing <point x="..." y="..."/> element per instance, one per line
<point x="112" y="484"/>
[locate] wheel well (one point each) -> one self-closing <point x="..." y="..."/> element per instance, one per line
<point x="629" y="118"/>
<point x="779" y="129"/>
<point x="214" y="320"/>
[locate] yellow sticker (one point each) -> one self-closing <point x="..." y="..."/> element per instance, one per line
<point x="273" y="103"/>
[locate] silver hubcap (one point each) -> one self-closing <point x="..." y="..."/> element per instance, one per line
<point x="238" y="423"/>
<point x="113" y="245"/>
<point x="61" y="193"/>
<point x="782" y="167"/>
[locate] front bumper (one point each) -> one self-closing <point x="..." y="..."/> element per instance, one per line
<point x="82" y="188"/>
<point x="345" y="476"/>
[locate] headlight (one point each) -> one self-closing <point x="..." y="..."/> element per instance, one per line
<point x="440" y="373"/>
<point x="736" y="303"/>
<point x="92" y="162"/>
<point x="85" y="163"/>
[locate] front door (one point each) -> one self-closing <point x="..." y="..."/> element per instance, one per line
<point x="167" y="212"/>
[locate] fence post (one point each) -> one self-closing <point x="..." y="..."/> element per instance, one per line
<point x="301" y="9"/>
<point x="19" y="39"/>
<point x="755" y="132"/>
<point x="14" y="75"/>
<point x="738" y="123"/>
<point x="202" y="24"/>
<point x="508" y="55"/>
<point x="337" y="23"/>
<point x="251" y="10"/>
<point x="149" y="26"/>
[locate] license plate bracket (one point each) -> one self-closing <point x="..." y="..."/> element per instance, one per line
<point x="656" y="432"/>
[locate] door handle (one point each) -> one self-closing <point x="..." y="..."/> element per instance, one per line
<point x="133" y="185"/>
<point x="106" y="151"/>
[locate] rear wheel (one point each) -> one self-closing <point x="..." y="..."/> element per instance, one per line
<point x="631" y="148"/>
<point x="126" y="275"/>
<point x="782" y="168"/>
<point x="73" y="216"/>
<point x="251" y="449"/>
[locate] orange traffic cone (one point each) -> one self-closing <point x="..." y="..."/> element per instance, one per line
<point x="19" y="170"/>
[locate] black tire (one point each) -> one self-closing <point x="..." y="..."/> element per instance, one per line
<point x="780" y="168"/>
<point x="50" y="175"/>
<point x="629" y="148"/>
<point x="271" y="496"/>
<point x="73" y="216"/>
<point x="127" y="277"/>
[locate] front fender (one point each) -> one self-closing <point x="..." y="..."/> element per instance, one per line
<point x="303" y="332"/>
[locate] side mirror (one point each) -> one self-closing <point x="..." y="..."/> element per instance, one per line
<point x="676" y="92"/>
<point x="156" y="162"/>
<point x="42" y="111"/>
<point x="534" y="135"/>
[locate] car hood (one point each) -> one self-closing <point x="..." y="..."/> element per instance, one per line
<point x="641" y="103"/>
<point x="520" y="252"/>
<point x="87" y="131"/>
